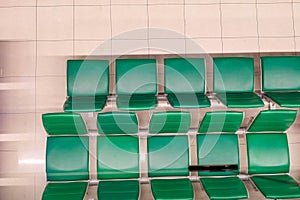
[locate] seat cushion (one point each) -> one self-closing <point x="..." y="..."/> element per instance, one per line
<point x="224" y="188"/>
<point x="197" y="100"/>
<point x="179" y="189"/>
<point x="277" y="186"/>
<point x="285" y="99"/>
<point x="126" y="190"/>
<point x="137" y="102"/>
<point x="65" y="191"/>
<point x="85" y="103"/>
<point x="240" y="100"/>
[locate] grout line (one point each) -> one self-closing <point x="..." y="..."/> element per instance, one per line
<point x="148" y="28"/>
<point x="221" y="27"/>
<point x="73" y="29"/>
<point x="294" y="29"/>
<point x="257" y="26"/>
<point x="184" y="26"/>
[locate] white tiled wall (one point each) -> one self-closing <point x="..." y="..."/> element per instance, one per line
<point x="38" y="36"/>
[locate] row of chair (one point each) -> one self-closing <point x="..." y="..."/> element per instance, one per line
<point x="168" y="122"/>
<point x="169" y="164"/>
<point x="184" y="83"/>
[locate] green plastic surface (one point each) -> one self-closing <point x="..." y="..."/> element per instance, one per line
<point x="240" y="100"/>
<point x="170" y="122"/>
<point x="277" y="186"/>
<point x="137" y="102"/>
<point x="285" y="99"/>
<point x="118" y="157"/>
<point x="168" y="156"/>
<point x="233" y="75"/>
<point x="267" y="153"/>
<point x="63" y="123"/>
<point x="67" y="158"/>
<point x="177" y="189"/>
<point x="273" y="120"/>
<point x="218" y="149"/>
<point x="87" y="77"/>
<point x="221" y="121"/>
<point x="224" y="188"/>
<point x="65" y="191"/>
<point x="117" y="123"/>
<point x="184" y="75"/>
<point x="196" y="100"/>
<point x="136" y="76"/>
<point x="280" y="73"/>
<point x="113" y="190"/>
<point x="85" y="104"/>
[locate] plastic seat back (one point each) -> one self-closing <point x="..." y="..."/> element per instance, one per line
<point x="63" y="123"/>
<point x="184" y="75"/>
<point x="273" y="121"/>
<point x="117" y="157"/>
<point x="67" y="158"/>
<point x="280" y="73"/>
<point x="216" y="150"/>
<point x="87" y="77"/>
<point x="168" y="156"/>
<point x="233" y="75"/>
<point x="170" y="122"/>
<point x="136" y="76"/>
<point x="221" y="121"/>
<point x="117" y="123"/>
<point x="267" y="153"/>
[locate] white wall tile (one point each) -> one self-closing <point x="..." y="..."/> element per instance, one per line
<point x="17" y="95"/>
<point x="55" y="23"/>
<point x="166" y="18"/>
<point x="50" y="94"/>
<point x="92" y="22"/>
<point x="296" y="9"/>
<point x="274" y="1"/>
<point x="17" y="59"/>
<point x="128" y="20"/>
<point x="52" y="57"/>
<point x="203" y="20"/>
<point x="237" y="1"/>
<point x="17" y="123"/>
<point x="93" y="48"/>
<point x="129" y="47"/>
<point x="277" y="44"/>
<point x="18" y="23"/>
<point x="4" y="3"/>
<point x="205" y="45"/>
<point x="167" y="46"/>
<point x="54" y="2"/>
<point x="201" y="1"/>
<point x="297" y="44"/>
<point x="275" y="20"/>
<point x="239" y="20"/>
<point x="240" y="45"/>
<point x="166" y="2"/>
<point x="128" y="2"/>
<point x="92" y="2"/>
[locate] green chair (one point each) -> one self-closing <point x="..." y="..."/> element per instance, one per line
<point x="269" y="163"/>
<point x="185" y="82"/>
<point x="136" y="84"/>
<point x="67" y="168"/>
<point x="234" y="82"/>
<point x="168" y="156"/>
<point x="221" y="121"/>
<point x="273" y="121"/>
<point x="170" y="122"/>
<point x="87" y="85"/>
<point x="64" y="124"/>
<point x="218" y="155"/>
<point x="118" y="156"/>
<point x="280" y="80"/>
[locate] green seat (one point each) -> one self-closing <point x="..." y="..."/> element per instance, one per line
<point x="273" y="121"/>
<point x="118" y="158"/>
<point x="221" y="121"/>
<point x="64" y="123"/>
<point x="268" y="162"/>
<point x="234" y="82"/>
<point x="185" y="82"/>
<point x="136" y="85"/>
<point x="280" y="80"/>
<point x="87" y="85"/>
<point x="220" y="150"/>
<point x="168" y="156"/>
<point x="117" y="123"/>
<point x="67" y="159"/>
<point x="170" y="122"/>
